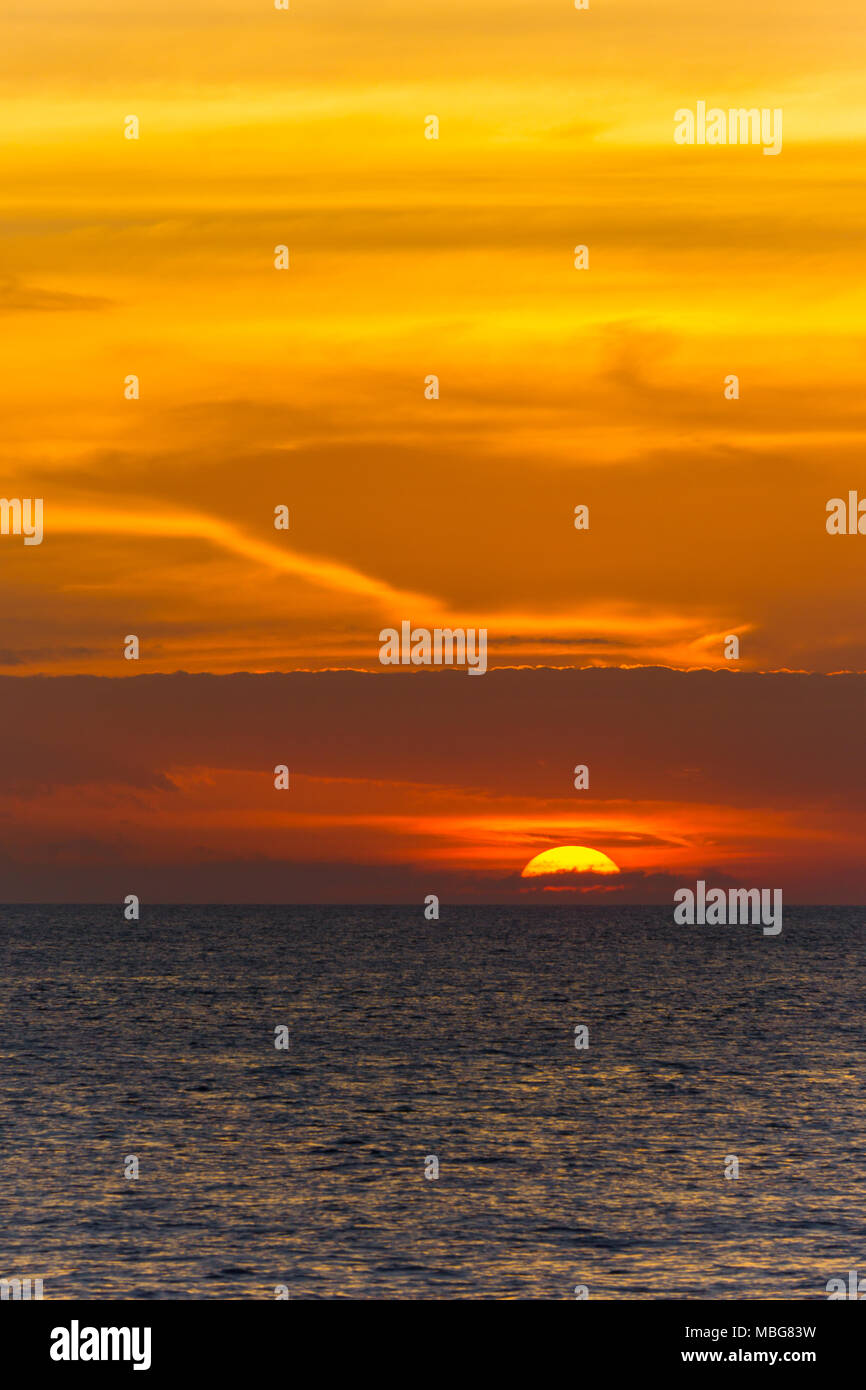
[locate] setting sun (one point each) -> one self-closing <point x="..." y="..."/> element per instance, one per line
<point x="570" y="859"/>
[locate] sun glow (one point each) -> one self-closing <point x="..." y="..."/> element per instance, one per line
<point x="570" y="859"/>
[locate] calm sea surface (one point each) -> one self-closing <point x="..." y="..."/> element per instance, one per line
<point x="305" y="1167"/>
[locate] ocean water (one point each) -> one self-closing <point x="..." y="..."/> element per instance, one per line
<point x="258" y="1167"/>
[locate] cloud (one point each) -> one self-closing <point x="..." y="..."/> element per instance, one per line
<point x="16" y="298"/>
<point x="632" y="886"/>
<point x="27" y="656"/>
<point x="444" y="783"/>
<point x="225" y="536"/>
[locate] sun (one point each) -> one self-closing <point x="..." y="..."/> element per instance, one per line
<point x="570" y="859"/>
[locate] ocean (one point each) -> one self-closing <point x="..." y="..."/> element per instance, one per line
<point x="303" y="1169"/>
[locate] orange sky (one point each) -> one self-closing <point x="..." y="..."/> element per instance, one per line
<point x="411" y="257"/>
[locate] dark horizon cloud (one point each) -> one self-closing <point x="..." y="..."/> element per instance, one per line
<point x="788" y="736"/>
<point x="428" y="782"/>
